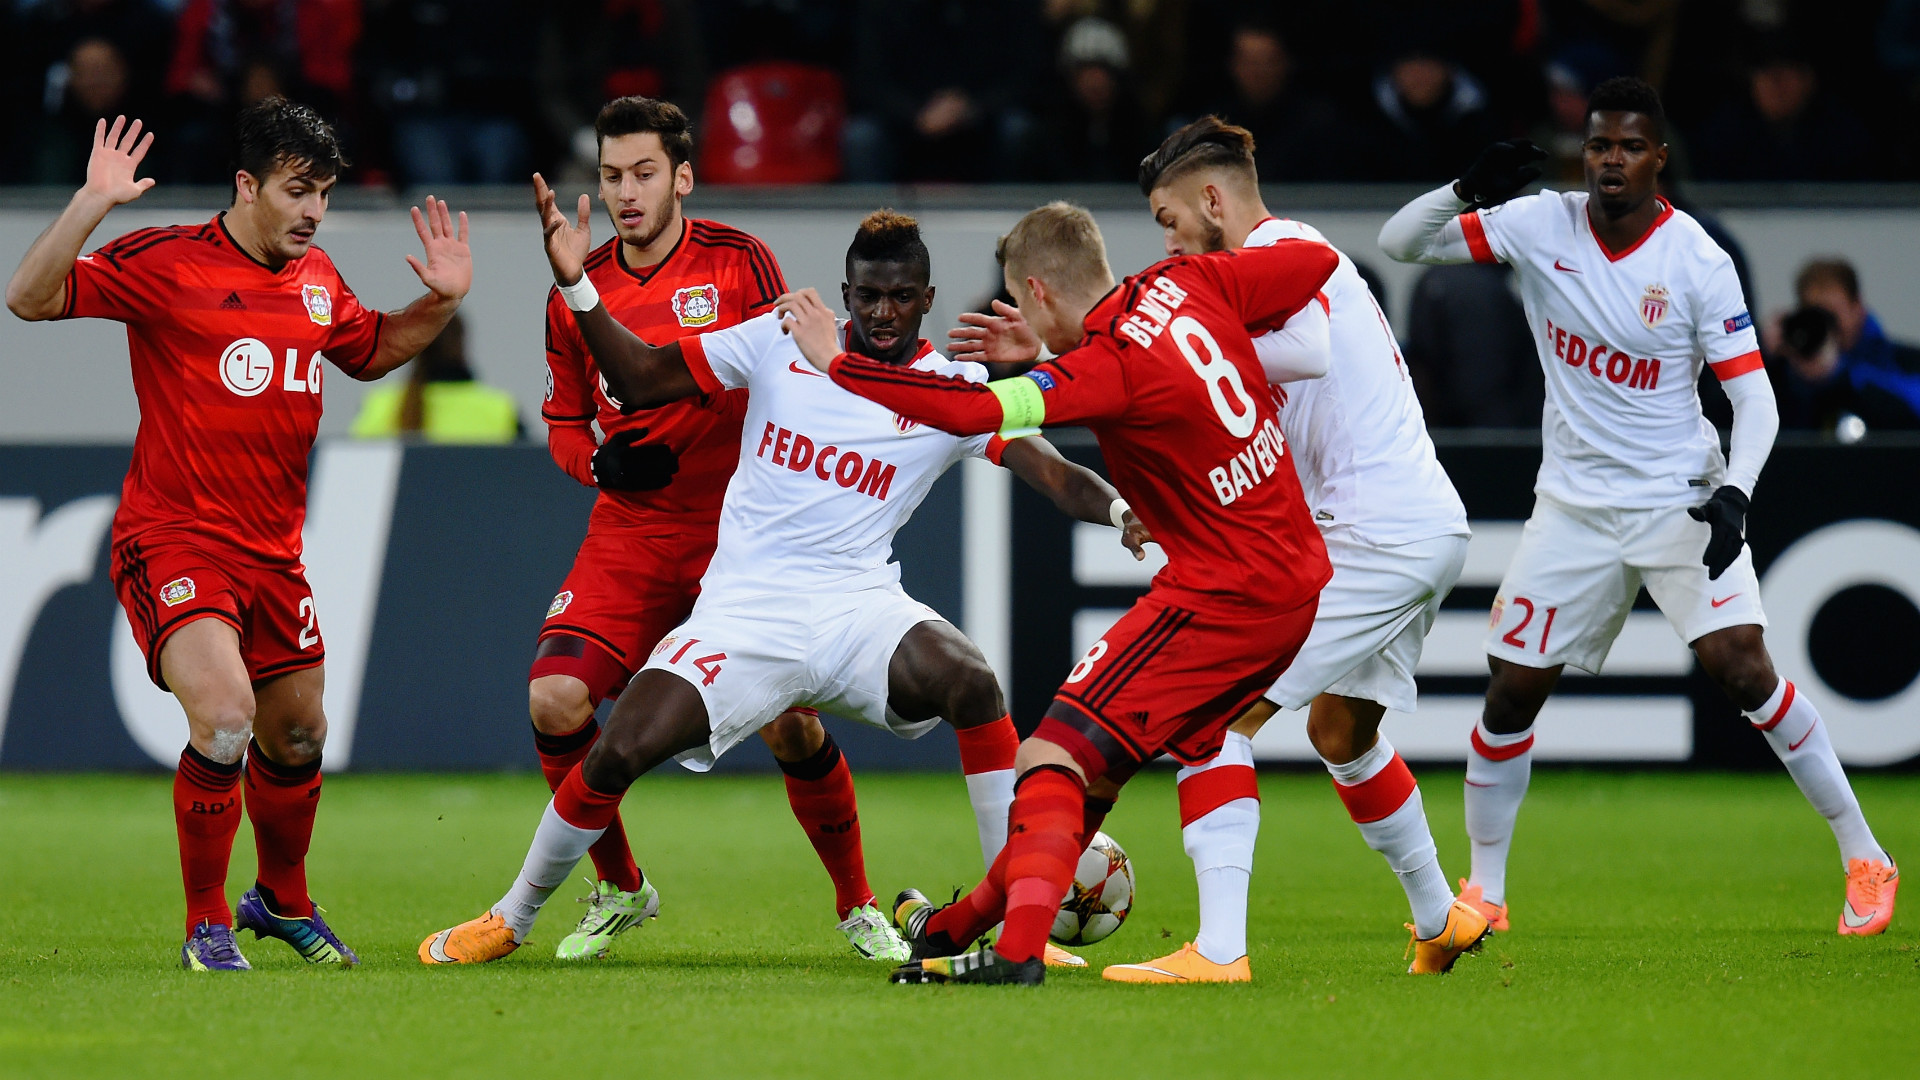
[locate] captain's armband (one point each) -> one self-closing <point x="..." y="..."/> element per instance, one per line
<point x="1022" y="406"/>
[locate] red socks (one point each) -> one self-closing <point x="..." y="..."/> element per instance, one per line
<point x="281" y="800"/>
<point x="989" y="747"/>
<point x="1044" y="841"/>
<point x="612" y="858"/>
<point x="820" y="790"/>
<point x="206" y="814"/>
<point x="584" y="808"/>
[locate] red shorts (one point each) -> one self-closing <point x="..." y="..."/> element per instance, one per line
<point x="166" y="584"/>
<point x="1167" y="679"/>
<point x="626" y="591"/>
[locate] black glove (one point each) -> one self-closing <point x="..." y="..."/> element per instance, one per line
<point x="1726" y="514"/>
<point x="621" y="465"/>
<point x="1499" y="173"/>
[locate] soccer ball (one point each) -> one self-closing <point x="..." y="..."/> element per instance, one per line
<point x="1100" y="897"/>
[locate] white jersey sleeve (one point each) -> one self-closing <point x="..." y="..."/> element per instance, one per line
<point x="1722" y="325"/>
<point x="1302" y="349"/>
<point x="1503" y="233"/>
<point x="734" y="354"/>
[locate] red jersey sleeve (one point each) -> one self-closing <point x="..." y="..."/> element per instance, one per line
<point x="356" y="331"/>
<point x="1086" y="385"/>
<point x="569" y="401"/>
<point x="124" y="280"/>
<point x="1268" y="285"/>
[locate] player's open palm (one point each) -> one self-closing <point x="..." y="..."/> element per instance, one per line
<point x="448" y="267"/>
<point x="117" y="153"/>
<point x="567" y="241"/>
<point x="1001" y="338"/>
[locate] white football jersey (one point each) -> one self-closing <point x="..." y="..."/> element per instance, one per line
<point x="1621" y="337"/>
<point x="1359" y="438"/>
<point x="826" y="477"/>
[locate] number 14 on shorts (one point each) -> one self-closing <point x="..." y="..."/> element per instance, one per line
<point x="1525" y="628"/>
<point x="709" y="665"/>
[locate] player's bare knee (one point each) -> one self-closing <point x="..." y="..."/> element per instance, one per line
<point x="1515" y="696"/>
<point x="222" y="732"/>
<point x="1333" y="737"/>
<point x="973" y="695"/>
<point x="558" y="704"/>
<point x="794" y="736"/>
<point x="1736" y="659"/>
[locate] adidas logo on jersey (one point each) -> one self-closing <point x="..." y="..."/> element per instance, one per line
<point x="233" y="303"/>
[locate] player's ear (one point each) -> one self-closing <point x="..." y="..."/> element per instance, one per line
<point x="1038" y="291"/>
<point x="683" y="179"/>
<point x="926" y="301"/>
<point x="245" y="187"/>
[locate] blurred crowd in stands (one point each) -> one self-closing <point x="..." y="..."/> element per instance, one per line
<point x="807" y="91"/>
<point x="483" y="91"/>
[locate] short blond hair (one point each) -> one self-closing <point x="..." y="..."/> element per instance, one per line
<point x="1060" y="244"/>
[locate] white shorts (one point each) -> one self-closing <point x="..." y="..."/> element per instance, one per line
<point x="753" y="658"/>
<point x="1373" y="621"/>
<point x="1577" y="571"/>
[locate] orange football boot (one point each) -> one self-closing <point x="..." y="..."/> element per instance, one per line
<point x="1495" y="914"/>
<point x="1466" y="928"/>
<point x="1869" y="906"/>
<point x="476" y="941"/>
<point x="1183" y="966"/>
<point x="1059" y="957"/>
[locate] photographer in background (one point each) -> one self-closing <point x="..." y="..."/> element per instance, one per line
<point x="1835" y="369"/>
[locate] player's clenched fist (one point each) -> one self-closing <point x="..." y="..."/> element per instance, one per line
<point x="567" y="242"/>
<point x="808" y="318"/>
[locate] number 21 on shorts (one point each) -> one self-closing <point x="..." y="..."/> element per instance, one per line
<point x="1527" y="610"/>
<point x="709" y="665"/>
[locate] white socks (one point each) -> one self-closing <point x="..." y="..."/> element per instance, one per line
<point x="1498" y="770"/>
<point x="1220" y="820"/>
<point x="556" y="847"/>
<point x="1384" y="801"/>
<point x="1793" y="729"/>
<point x="992" y="797"/>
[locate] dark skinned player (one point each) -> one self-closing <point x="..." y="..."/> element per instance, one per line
<point x="1633" y="489"/>
<point x="801" y="605"/>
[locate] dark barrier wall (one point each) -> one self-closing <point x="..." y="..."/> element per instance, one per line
<point x="433" y="567"/>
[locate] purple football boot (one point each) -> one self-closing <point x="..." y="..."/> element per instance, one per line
<point x="211" y="948"/>
<point x="310" y="937"/>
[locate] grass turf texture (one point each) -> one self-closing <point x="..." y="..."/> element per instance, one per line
<point x="1664" y="923"/>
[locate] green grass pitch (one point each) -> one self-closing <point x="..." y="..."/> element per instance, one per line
<point x="1666" y="924"/>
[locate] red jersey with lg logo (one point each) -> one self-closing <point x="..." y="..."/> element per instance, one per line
<point x="227" y="366"/>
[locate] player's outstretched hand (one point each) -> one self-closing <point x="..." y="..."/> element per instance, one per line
<point x="808" y="318"/>
<point x="1134" y="535"/>
<point x="1001" y="338"/>
<point x="117" y="153"/>
<point x="448" y="268"/>
<point x="624" y="463"/>
<point x="1499" y="173"/>
<point x="1726" y="515"/>
<point x="567" y="241"/>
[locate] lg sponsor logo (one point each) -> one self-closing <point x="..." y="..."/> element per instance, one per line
<point x="246" y="367"/>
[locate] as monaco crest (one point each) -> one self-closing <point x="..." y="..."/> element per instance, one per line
<point x="696" y="305"/>
<point x="1653" y="305"/>
<point x="319" y="304"/>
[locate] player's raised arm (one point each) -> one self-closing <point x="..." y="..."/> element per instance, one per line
<point x="447" y="272"/>
<point x="1078" y="491"/>
<point x="38" y="289"/>
<point x="1269" y="286"/>
<point x="639" y="374"/>
<point x="1431" y="229"/>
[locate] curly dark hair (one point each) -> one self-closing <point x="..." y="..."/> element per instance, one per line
<point x="275" y="133"/>
<point x="1207" y="143"/>
<point x="889" y="236"/>
<point x="636" y="115"/>
<point x="1625" y="93"/>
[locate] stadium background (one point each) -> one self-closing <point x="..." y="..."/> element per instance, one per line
<point x="433" y="564"/>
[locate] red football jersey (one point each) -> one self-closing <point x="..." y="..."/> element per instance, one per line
<point x="226" y="366"/>
<point x="1167" y="380"/>
<point x="715" y="277"/>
